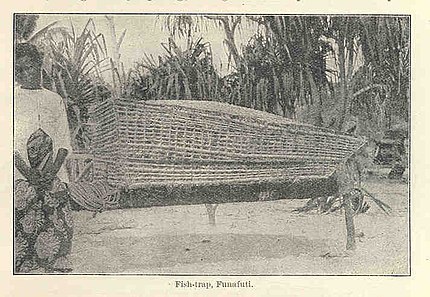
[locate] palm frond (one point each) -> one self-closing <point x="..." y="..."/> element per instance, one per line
<point x="76" y="62"/>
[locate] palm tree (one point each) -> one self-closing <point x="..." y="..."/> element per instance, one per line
<point x="297" y="74"/>
<point x="385" y="44"/>
<point x="303" y="55"/>
<point x="373" y="58"/>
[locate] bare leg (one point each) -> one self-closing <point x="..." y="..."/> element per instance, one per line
<point x="211" y="208"/>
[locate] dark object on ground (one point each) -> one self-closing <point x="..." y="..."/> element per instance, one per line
<point x="174" y="195"/>
<point x="94" y="196"/>
<point x="391" y="148"/>
<point x="325" y="205"/>
<point x="397" y="171"/>
<point x="389" y="151"/>
<point x="392" y="151"/>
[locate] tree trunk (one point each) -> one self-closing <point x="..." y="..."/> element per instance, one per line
<point x="343" y="85"/>
<point x="232" y="48"/>
<point x="229" y="38"/>
<point x="348" y="177"/>
<point x="315" y="99"/>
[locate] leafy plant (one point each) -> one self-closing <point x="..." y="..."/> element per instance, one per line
<point x="385" y="43"/>
<point x="180" y="74"/>
<point x="360" y="199"/>
<point x="184" y="26"/>
<point x="77" y="61"/>
<point x="277" y="77"/>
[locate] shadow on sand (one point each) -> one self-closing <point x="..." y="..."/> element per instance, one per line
<point x="140" y="254"/>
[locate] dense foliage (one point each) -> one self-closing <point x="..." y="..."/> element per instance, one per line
<point x="180" y="74"/>
<point x="323" y="70"/>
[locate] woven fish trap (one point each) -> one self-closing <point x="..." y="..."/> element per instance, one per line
<point x="138" y="144"/>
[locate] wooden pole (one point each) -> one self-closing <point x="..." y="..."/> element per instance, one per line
<point x="349" y="220"/>
<point x="348" y="177"/>
<point x="211" y="208"/>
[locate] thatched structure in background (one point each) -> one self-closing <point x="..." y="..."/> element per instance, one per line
<point x="147" y="144"/>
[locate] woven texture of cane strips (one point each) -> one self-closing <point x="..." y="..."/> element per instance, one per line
<point x="148" y="143"/>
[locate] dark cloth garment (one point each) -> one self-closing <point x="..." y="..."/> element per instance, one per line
<point x="43" y="221"/>
<point x="39" y="147"/>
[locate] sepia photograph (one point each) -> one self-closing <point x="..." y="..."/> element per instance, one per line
<point x="211" y="144"/>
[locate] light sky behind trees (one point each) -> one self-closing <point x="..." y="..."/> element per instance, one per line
<point x="145" y="35"/>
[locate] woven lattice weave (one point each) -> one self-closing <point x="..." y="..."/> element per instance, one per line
<point x="145" y="143"/>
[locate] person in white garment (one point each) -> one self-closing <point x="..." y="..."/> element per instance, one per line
<point x="43" y="221"/>
<point x="36" y="107"/>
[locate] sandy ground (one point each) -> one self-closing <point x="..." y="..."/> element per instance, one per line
<point x="249" y="238"/>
